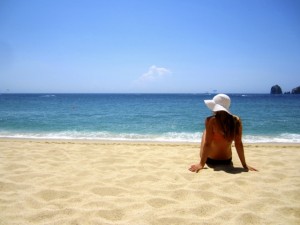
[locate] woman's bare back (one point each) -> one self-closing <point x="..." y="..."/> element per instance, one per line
<point x="219" y="146"/>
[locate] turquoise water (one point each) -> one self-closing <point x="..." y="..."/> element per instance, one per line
<point x="143" y="117"/>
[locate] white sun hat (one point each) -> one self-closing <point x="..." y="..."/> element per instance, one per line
<point x="220" y="102"/>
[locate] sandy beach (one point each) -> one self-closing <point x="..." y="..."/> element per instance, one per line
<point x="84" y="182"/>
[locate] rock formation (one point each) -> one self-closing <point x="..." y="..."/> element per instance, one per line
<point x="296" y="90"/>
<point x="276" y="89"/>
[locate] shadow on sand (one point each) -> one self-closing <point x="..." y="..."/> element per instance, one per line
<point x="228" y="168"/>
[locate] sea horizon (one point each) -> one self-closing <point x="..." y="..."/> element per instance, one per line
<point x="211" y="93"/>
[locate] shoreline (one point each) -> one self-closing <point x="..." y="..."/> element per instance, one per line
<point x="54" y="140"/>
<point x="120" y="183"/>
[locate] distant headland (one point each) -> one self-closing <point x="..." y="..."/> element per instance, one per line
<point x="276" y="89"/>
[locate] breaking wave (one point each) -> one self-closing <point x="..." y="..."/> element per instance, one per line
<point x="164" y="137"/>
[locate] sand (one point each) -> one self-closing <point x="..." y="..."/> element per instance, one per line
<point x="78" y="182"/>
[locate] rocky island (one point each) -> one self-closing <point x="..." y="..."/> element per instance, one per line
<point x="276" y="90"/>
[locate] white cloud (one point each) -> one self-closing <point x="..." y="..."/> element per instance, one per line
<point x="154" y="73"/>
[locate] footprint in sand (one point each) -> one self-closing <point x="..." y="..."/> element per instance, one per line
<point x="49" y="195"/>
<point x="160" y="202"/>
<point x="107" y="191"/>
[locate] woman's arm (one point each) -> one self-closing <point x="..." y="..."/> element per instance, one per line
<point x="204" y="148"/>
<point x="206" y="140"/>
<point x="240" y="147"/>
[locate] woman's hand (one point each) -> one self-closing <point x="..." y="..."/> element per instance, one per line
<point x="196" y="168"/>
<point x="249" y="168"/>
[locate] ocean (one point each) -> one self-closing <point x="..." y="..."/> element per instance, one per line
<point x="144" y="117"/>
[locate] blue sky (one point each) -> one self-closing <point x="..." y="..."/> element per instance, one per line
<point x="139" y="46"/>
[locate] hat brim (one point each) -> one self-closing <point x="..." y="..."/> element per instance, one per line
<point x="215" y="107"/>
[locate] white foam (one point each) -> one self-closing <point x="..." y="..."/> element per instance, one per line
<point x="282" y="138"/>
<point x="165" y="137"/>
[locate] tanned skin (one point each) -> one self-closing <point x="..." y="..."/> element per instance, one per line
<point x="215" y="145"/>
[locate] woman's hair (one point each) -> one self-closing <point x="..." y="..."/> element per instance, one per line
<point x="228" y="123"/>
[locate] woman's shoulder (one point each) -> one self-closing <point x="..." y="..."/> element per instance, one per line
<point x="210" y="118"/>
<point x="237" y="121"/>
<point x="236" y="118"/>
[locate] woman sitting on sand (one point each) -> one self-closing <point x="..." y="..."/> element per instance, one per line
<point x="221" y="130"/>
